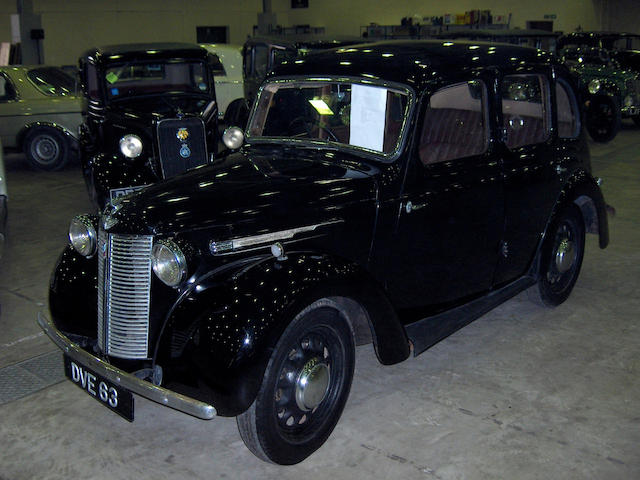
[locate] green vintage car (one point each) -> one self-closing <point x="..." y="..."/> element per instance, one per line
<point x="610" y="93"/>
<point x="39" y="114"/>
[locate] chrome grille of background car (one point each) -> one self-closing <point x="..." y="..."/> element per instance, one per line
<point x="124" y="281"/>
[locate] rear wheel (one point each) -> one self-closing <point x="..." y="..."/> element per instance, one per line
<point x="603" y="118"/>
<point x="46" y="148"/>
<point x="304" y="390"/>
<point x="561" y="258"/>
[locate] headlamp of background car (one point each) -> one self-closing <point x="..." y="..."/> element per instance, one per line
<point x="628" y="101"/>
<point x="82" y="235"/>
<point x="594" y="86"/>
<point x="131" y="146"/>
<point x="169" y="263"/>
<point x="233" y="137"/>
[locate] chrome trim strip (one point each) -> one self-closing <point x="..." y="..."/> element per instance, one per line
<point x="132" y="383"/>
<point x="219" y="247"/>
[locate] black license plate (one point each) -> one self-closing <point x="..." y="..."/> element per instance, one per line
<point x="112" y="396"/>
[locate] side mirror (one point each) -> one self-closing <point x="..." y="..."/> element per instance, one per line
<point x="233" y="137"/>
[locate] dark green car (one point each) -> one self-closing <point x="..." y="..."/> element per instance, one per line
<point x="610" y="93"/>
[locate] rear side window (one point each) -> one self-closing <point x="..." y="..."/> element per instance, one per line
<point x="455" y="123"/>
<point x="525" y="109"/>
<point x="568" y="116"/>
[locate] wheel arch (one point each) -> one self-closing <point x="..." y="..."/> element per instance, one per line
<point x="230" y="320"/>
<point x="26" y="129"/>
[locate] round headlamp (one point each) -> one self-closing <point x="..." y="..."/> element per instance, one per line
<point x="131" y="146"/>
<point x="233" y="137"/>
<point x="82" y="235"/>
<point x="594" y="86"/>
<point x="169" y="263"/>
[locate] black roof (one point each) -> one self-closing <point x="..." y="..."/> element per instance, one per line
<point x="311" y="42"/>
<point x="143" y="51"/>
<point x="412" y="62"/>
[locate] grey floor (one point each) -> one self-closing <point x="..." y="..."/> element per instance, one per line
<point x="522" y="393"/>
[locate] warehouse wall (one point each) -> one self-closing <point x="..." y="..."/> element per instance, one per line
<point x="72" y="26"/>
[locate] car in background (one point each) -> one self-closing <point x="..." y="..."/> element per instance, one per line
<point x="39" y="114"/>
<point x="392" y="192"/>
<point x="622" y="47"/>
<point x="228" y="79"/>
<point x="261" y="54"/>
<point x="610" y="92"/>
<point x="151" y="115"/>
<point x="3" y="203"/>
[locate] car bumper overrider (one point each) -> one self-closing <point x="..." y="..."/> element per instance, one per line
<point x="126" y="380"/>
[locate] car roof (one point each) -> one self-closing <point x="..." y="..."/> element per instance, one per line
<point x="311" y="42"/>
<point x="137" y="51"/>
<point x="412" y="62"/>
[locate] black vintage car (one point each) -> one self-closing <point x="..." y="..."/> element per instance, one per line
<point x="622" y="47"/>
<point x="150" y="114"/>
<point x="396" y="199"/>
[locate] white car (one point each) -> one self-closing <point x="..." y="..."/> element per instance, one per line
<point x="228" y="79"/>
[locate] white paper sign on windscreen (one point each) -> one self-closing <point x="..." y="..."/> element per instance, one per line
<point x="368" y="107"/>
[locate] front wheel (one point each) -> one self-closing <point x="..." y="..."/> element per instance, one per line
<point x="305" y="388"/>
<point x="603" y="118"/>
<point x="561" y="258"/>
<point x="46" y="148"/>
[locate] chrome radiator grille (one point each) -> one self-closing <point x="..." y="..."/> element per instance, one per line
<point x="124" y="281"/>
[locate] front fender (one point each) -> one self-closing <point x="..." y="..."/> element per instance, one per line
<point x="218" y="338"/>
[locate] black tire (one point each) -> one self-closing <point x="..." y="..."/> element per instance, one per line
<point x="561" y="258"/>
<point x="305" y="388"/>
<point x="603" y="118"/>
<point x="636" y="120"/>
<point x="46" y="148"/>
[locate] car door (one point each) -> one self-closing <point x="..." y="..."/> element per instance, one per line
<point x="450" y="219"/>
<point x="532" y="167"/>
<point x="10" y="111"/>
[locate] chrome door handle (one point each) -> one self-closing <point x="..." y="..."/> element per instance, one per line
<point x="410" y="206"/>
<point x="560" y="169"/>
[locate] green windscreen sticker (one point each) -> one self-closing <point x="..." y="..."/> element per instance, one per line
<point x="112" y="77"/>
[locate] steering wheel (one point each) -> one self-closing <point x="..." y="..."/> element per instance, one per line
<point x="308" y="126"/>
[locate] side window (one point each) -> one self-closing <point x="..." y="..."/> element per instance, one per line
<point x="6" y="90"/>
<point x="247" y="63"/>
<point x="568" y="114"/>
<point x="260" y="61"/>
<point x="455" y="123"/>
<point x="525" y="109"/>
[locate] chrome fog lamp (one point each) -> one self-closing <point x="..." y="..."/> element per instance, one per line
<point x="82" y="235"/>
<point x="233" y="137"/>
<point x="169" y="263"/>
<point x="131" y="146"/>
<point x="594" y="86"/>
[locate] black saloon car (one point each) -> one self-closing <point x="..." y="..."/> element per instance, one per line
<point x="398" y="198"/>
<point x="151" y="114"/>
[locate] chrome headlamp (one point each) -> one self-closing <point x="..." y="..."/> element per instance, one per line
<point x="169" y="263"/>
<point x="594" y="86"/>
<point x="131" y="146"/>
<point x="83" y="236"/>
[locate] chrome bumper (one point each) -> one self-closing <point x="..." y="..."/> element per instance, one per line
<point x="126" y="380"/>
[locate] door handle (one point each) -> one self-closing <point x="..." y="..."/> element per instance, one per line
<point x="560" y="169"/>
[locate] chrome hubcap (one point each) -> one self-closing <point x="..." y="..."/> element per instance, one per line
<point x="565" y="255"/>
<point x="46" y="149"/>
<point x="312" y="384"/>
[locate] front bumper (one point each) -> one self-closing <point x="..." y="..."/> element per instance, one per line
<point x="128" y="381"/>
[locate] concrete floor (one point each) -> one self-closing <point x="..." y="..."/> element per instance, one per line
<point x="522" y="393"/>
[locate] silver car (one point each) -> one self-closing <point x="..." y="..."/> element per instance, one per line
<point x="39" y="114"/>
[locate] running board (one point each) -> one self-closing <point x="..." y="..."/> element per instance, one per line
<point x="429" y="331"/>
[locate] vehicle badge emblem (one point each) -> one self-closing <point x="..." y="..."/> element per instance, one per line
<point x="108" y="221"/>
<point x="182" y="134"/>
<point x="185" y="151"/>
